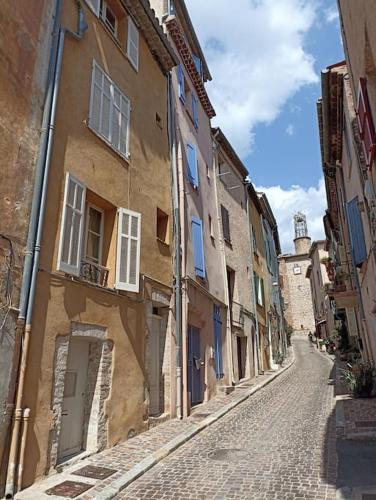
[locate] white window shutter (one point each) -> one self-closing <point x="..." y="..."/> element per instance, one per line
<point x="128" y="250"/>
<point x="96" y="97"/>
<point x="94" y="5"/>
<point x="69" y="259"/>
<point x="133" y="43"/>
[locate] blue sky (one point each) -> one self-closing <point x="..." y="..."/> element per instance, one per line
<point x="287" y="150"/>
<point x="265" y="57"/>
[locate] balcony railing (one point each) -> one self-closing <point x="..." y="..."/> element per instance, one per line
<point x="94" y="273"/>
<point x="237" y="314"/>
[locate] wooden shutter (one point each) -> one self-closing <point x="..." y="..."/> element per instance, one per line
<point x="94" y="5"/>
<point x="69" y="259"/>
<point x="109" y="111"/>
<point x="198" y="247"/>
<point x="358" y="245"/>
<point x="192" y="164"/>
<point x="218" y="341"/>
<point x="181" y="83"/>
<point x="133" y="43"/>
<point x="225" y="224"/>
<point x="128" y="250"/>
<point x="195" y="111"/>
<point x="365" y="122"/>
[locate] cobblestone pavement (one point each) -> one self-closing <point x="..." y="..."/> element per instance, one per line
<point x="278" y="444"/>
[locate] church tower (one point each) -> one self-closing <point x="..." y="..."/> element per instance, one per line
<point x="302" y="241"/>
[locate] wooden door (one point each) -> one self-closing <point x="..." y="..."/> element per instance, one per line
<point x="195" y="365"/>
<point x="71" y="433"/>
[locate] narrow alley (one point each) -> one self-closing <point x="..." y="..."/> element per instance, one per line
<point x="279" y="444"/>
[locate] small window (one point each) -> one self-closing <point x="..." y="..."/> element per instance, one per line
<point x="195" y="111"/>
<point x="297" y="269"/>
<point x="162" y="226"/>
<point x="225" y="224"/>
<point x="181" y="83"/>
<point x="133" y="43"/>
<point x="208" y="172"/>
<point x="94" y="234"/>
<point x="109" y="18"/>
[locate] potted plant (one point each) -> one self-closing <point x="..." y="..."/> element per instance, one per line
<point x="360" y="379"/>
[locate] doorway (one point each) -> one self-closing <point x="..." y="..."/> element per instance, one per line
<point x="242" y="355"/>
<point x="155" y="366"/>
<point x="195" y="363"/>
<point x="72" y="423"/>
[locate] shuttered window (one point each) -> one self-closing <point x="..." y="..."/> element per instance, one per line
<point x="198" y="64"/>
<point x="195" y="111"/>
<point x="192" y="165"/>
<point x="109" y="111"/>
<point x="218" y="341"/>
<point x="225" y="224"/>
<point x="181" y="83"/>
<point x="94" y="5"/>
<point x="365" y="122"/>
<point x="72" y="226"/>
<point x="128" y="250"/>
<point x="358" y="244"/>
<point x="133" y="43"/>
<point x="198" y="247"/>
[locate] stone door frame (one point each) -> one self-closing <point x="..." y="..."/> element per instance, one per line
<point x="98" y="387"/>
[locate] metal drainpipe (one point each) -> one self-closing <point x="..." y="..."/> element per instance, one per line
<point x="259" y="369"/>
<point x="177" y="246"/>
<point x="29" y="294"/>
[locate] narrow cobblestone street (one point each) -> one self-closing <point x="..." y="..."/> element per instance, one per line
<point x="279" y="444"/>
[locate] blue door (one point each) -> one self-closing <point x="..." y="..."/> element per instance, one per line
<point x="194" y="366"/>
<point x="218" y="341"/>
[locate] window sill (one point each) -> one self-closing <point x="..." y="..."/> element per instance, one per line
<point x="126" y="157"/>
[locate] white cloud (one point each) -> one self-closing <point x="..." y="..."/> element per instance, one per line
<point x="290" y="130"/>
<point x="331" y="15"/>
<point x="286" y="202"/>
<point x="255" y="51"/>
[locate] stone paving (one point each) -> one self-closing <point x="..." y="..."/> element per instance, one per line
<point x="278" y="444"/>
<point x="131" y="458"/>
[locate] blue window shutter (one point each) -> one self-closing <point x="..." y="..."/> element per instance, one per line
<point x="198" y="247"/>
<point x="218" y="341"/>
<point x="358" y="244"/>
<point x="181" y="83"/>
<point x="195" y="111"/>
<point x="192" y="164"/>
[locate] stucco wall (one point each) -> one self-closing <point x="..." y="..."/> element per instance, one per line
<point x="141" y="184"/>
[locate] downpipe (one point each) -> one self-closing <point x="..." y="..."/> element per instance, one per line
<point x="177" y="247"/>
<point x="28" y="306"/>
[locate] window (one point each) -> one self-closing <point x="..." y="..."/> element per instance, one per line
<point x="254" y="241"/>
<point x="72" y="239"/>
<point x="195" y="111"/>
<point x="162" y="226"/>
<point x="94" y="234"/>
<point x="366" y="127"/>
<point x="69" y="259"/>
<point x="225" y="224"/>
<point x="192" y="165"/>
<point x="296" y="269"/>
<point x="181" y="83"/>
<point x="198" y="247"/>
<point x="259" y="289"/>
<point x="109" y="18"/>
<point x="128" y="250"/>
<point x="133" y="43"/>
<point x="109" y="111"/>
<point x="358" y="246"/>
